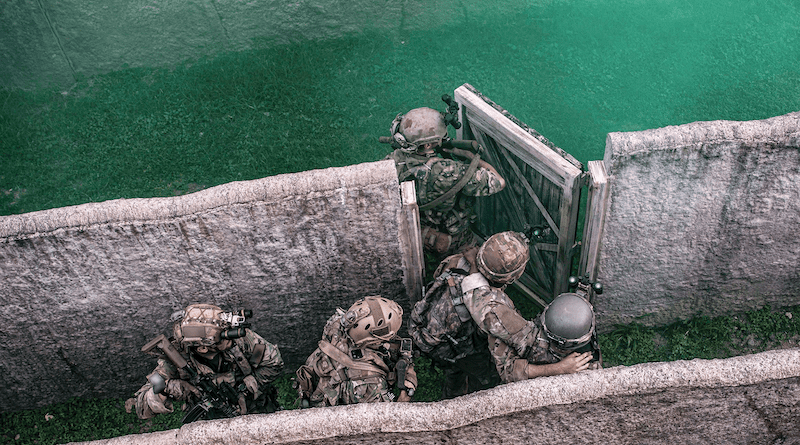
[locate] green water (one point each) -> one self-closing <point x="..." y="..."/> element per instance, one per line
<point x="574" y="71"/>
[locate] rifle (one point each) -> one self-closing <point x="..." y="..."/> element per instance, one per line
<point x="401" y="367"/>
<point x="222" y="398"/>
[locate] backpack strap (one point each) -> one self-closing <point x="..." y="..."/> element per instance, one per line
<point x="473" y="167"/>
<point x="338" y="356"/>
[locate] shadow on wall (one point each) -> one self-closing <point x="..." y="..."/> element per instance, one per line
<point x="291" y="248"/>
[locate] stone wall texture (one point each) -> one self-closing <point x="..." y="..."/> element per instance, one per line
<point x="56" y="41"/>
<point x="703" y="220"/>
<point x="751" y="399"/>
<point x="84" y="287"/>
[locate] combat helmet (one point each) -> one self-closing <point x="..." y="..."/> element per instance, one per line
<point x="417" y="127"/>
<point x="372" y="320"/>
<point x="502" y="258"/>
<point x="201" y="325"/>
<point x="568" y="321"/>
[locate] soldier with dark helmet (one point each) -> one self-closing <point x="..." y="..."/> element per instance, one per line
<point x="466" y="309"/>
<point x="210" y="350"/>
<point x="446" y="187"/>
<point x="360" y="358"/>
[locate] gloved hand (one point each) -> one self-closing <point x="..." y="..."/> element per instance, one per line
<point x="252" y="385"/>
<point x="180" y="389"/>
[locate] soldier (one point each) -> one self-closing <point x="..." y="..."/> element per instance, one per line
<point x="466" y="309"/>
<point x="360" y="358"/>
<point x="446" y="188"/>
<point x="214" y="362"/>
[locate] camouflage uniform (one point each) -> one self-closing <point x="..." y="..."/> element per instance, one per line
<point x="443" y="330"/>
<point x="265" y="362"/>
<point x="338" y="373"/>
<point x="433" y="176"/>
<point x="514" y="342"/>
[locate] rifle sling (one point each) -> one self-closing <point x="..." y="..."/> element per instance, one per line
<point x="339" y="356"/>
<point x="473" y="167"/>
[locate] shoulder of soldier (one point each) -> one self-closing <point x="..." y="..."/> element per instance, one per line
<point x="333" y="326"/>
<point x="251" y="338"/>
<point x="454" y="261"/>
<point x="486" y="295"/>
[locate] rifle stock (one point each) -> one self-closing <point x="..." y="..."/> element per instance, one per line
<point x="222" y="397"/>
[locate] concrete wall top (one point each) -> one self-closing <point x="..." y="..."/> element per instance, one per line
<point x="748" y="399"/>
<point x="702" y="220"/>
<point x="84" y="287"/>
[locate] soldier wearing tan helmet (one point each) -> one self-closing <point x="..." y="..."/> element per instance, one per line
<point x="472" y="294"/>
<point x="214" y="348"/>
<point x="446" y="187"/>
<point x="360" y="358"/>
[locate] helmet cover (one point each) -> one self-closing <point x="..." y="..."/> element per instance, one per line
<point x="569" y="321"/>
<point x="201" y="326"/>
<point x="503" y="257"/>
<point x="372" y="320"/>
<point x="417" y="127"/>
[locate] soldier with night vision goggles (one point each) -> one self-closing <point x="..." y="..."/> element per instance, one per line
<point x="448" y="175"/>
<point x="215" y="363"/>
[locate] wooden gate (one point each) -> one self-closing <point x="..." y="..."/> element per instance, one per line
<point x="542" y="195"/>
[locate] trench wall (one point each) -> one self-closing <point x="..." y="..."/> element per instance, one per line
<point x="752" y="399"/>
<point x="703" y="220"/>
<point x="84" y="287"/>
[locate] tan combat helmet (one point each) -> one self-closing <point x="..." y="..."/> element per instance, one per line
<point x="417" y="127"/>
<point x="568" y="321"/>
<point x="202" y="325"/>
<point x="502" y="258"/>
<point x="372" y="320"/>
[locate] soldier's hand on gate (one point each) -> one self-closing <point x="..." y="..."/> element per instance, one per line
<point x="575" y="362"/>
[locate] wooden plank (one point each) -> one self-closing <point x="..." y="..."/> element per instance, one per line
<point x="530" y="191"/>
<point x="512" y="135"/>
<point x="566" y="240"/>
<point x="411" y="242"/>
<point x="596" y="209"/>
<point x="529" y="293"/>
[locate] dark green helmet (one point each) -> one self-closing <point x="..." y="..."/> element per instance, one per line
<point x="569" y="321"/>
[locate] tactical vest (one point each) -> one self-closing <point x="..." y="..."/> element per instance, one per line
<point x="337" y="365"/>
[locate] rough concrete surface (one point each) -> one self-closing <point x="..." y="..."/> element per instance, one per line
<point x="752" y="399"/>
<point x="703" y="220"/>
<point x="84" y="287"/>
<point x="54" y="41"/>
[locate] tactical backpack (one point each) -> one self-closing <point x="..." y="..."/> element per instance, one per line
<point x="440" y="324"/>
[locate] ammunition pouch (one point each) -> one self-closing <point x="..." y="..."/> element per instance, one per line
<point x="435" y="241"/>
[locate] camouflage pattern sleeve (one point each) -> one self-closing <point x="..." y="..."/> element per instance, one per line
<point x="270" y="366"/>
<point x="147" y="403"/>
<point x="509" y="365"/>
<point x="511" y="336"/>
<point x="483" y="183"/>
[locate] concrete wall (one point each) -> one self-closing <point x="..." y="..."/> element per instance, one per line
<point x="84" y="287"/>
<point x="751" y="399"/>
<point x="55" y="41"/>
<point x="703" y="219"/>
